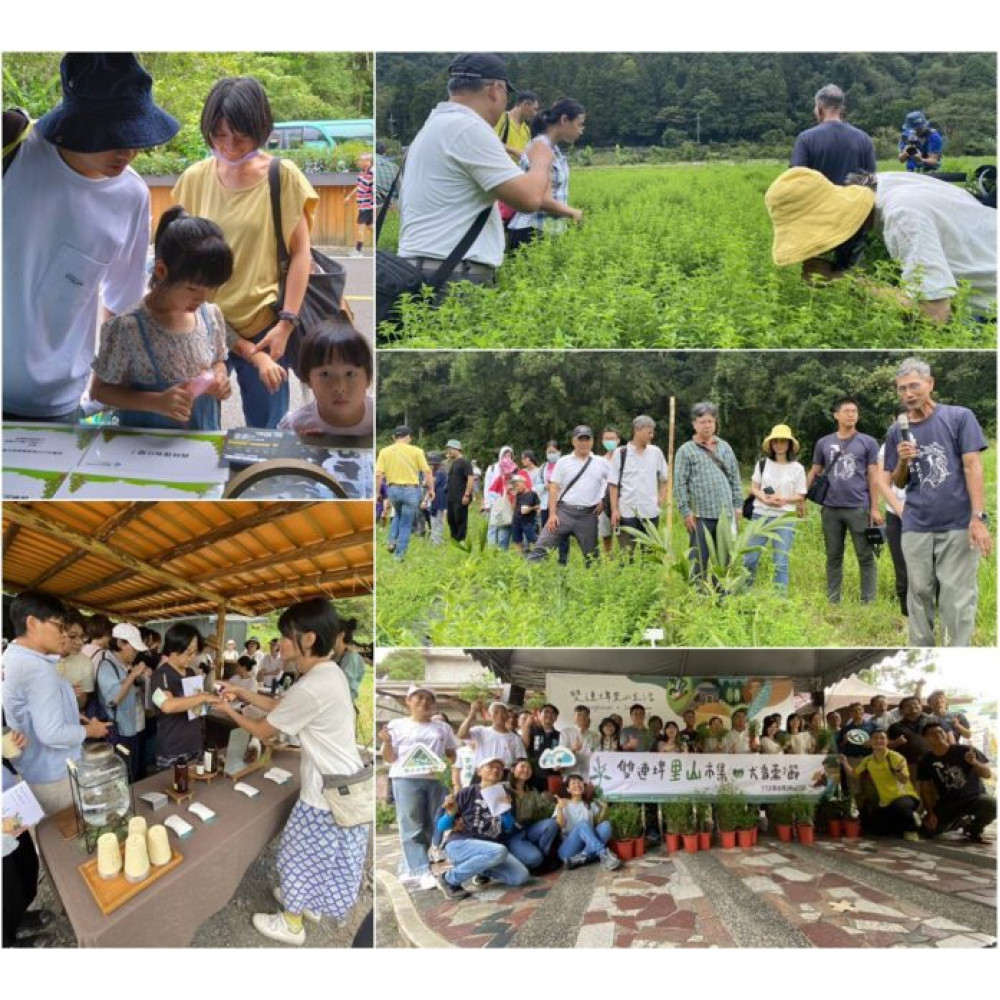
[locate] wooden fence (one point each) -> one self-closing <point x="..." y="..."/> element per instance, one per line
<point x="334" y="225"/>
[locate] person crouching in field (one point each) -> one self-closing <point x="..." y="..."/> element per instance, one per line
<point x="939" y="234"/>
<point x="563" y="122"/>
<point x="163" y="364"/>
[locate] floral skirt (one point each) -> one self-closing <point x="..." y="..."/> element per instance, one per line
<point x="319" y="863"/>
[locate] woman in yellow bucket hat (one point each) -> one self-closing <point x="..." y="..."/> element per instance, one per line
<point x="778" y="486"/>
<point x="940" y="235"/>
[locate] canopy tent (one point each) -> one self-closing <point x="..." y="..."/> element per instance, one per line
<point x="851" y="689"/>
<point x="146" y="561"/>
<point x="811" y="669"/>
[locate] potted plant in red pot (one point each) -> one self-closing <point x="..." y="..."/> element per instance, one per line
<point x="626" y="827"/>
<point x="703" y="824"/>
<point x="745" y="825"/>
<point x="689" y="829"/>
<point x="782" y="816"/>
<point x="728" y="809"/>
<point x="673" y="819"/>
<point x="804" y="814"/>
<point x="833" y="813"/>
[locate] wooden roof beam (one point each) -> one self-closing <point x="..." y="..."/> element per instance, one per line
<point x="27" y="517"/>
<point x="125" y="516"/>
<point x="56" y="569"/>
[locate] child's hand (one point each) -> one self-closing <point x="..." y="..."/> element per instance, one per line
<point x="175" y="403"/>
<point x="270" y="372"/>
<point x="221" y="388"/>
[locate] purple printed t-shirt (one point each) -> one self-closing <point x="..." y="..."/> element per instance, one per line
<point x="846" y="462"/>
<point x="937" y="498"/>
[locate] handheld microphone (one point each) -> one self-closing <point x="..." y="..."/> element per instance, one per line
<point x="905" y="434"/>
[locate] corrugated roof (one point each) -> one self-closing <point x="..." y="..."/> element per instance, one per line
<point x="149" y="560"/>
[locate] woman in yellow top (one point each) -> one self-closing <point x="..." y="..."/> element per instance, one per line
<point x="231" y="189"/>
<point x="896" y="812"/>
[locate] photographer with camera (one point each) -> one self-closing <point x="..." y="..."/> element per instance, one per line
<point x="920" y="144"/>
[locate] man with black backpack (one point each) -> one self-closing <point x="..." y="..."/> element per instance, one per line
<point x="456" y="170"/>
<point x="637" y="486"/>
<point x="849" y="462"/>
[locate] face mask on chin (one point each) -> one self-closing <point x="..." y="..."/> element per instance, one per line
<point x="235" y="163"/>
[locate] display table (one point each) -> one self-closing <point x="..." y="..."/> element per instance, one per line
<point x="216" y="856"/>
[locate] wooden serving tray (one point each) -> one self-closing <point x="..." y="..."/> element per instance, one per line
<point x="209" y="777"/>
<point x="110" y="893"/>
<point x="66" y="821"/>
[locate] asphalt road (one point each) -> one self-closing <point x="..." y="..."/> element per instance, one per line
<point x="360" y="296"/>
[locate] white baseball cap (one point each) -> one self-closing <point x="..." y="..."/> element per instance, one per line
<point x="130" y="634"/>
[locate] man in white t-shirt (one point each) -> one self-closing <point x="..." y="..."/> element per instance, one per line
<point x="576" y="489"/>
<point x="938" y="233"/>
<point x="78" y="216"/>
<point x="494" y="740"/>
<point x="638" y="482"/>
<point x="269" y="667"/>
<point x="456" y="167"/>
<point x="580" y="739"/>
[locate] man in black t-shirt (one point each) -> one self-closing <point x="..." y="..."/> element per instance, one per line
<point x="537" y="739"/>
<point x="906" y="736"/>
<point x="951" y="786"/>
<point x="460" y="483"/>
<point x="833" y="147"/>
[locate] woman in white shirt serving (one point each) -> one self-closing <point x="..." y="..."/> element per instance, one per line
<point x="778" y="487"/>
<point x="319" y="863"/>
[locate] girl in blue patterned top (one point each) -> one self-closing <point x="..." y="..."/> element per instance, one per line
<point x="563" y="122"/>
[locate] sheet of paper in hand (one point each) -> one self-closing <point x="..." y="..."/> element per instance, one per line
<point x="496" y="798"/>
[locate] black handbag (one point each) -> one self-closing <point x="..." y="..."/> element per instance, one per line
<point x="395" y="276"/>
<point x="324" y="298"/>
<point x="821" y="484"/>
<point x="749" y="502"/>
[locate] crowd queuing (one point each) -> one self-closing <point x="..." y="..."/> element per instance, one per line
<point x="69" y="680"/>
<point x="217" y="302"/>
<point x="501" y="815"/>
<point x="927" y="477"/>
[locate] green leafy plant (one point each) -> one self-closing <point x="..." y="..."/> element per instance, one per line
<point x="675" y="814"/>
<point x="385" y="816"/>
<point x="803" y="810"/>
<point x="626" y="820"/>
<point x="730" y="808"/>
<point x="782" y="812"/>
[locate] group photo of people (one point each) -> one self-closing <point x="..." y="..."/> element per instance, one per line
<point x="633" y="773"/>
<point x="746" y="489"/>
<point x="636" y="200"/>
<point x="185" y="263"/>
<point x="216" y="728"/>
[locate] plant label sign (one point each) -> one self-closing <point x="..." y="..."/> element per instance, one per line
<point x="421" y="760"/>
<point x="654" y="777"/>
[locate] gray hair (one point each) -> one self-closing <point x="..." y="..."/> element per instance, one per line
<point x="914" y="365"/>
<point x="704" y="410"/>
<point x="467" y="85"/>
<point x="642" y="422"/>
<point x="830" y="96"/>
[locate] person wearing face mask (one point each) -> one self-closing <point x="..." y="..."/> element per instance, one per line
<point x="231" y="188"/>
<point x="79" y="217"/>
<point x="610" y="439"/>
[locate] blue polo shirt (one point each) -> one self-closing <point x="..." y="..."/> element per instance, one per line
<point x="42" y="705"/>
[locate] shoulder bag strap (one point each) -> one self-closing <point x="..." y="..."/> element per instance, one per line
<point x="111" y="707"/>
<point x="274" y="183"/>
<point x="575" y="479"/>
<point x="384" y="210"/>
<point x="715" y="458"/>
<point x="17" y="126"/>
<point x="506" y="128"/>
<point x="443" y="273"/>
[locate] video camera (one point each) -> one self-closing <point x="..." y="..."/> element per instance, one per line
<point x="912" y="138"/>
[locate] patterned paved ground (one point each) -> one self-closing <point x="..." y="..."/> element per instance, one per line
<point x="861" y="893"/>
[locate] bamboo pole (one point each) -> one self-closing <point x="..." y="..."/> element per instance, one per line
<point x="219" y="671"/>
<point x="670" y="466"/>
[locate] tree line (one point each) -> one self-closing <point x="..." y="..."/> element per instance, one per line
<point x="671" y="98"/>
<point x="487" y="399"/>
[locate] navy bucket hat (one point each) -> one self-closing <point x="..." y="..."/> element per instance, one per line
<point x="107" y="104"/>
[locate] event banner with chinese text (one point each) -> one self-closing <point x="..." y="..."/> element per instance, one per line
<point x="649" y="777"/>
<point x="669" y="697"/>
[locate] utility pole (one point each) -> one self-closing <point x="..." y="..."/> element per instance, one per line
<point x="697" y="126"/>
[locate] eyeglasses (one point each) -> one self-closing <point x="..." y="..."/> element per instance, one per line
<point x="55" y="621"/>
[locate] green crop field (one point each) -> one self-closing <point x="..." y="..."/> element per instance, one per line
<point x="677" y="257"/>
<point x="446" y="596"/>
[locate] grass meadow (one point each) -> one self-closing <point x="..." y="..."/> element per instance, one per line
<point x="674" y="256"/>
<point x="447" y="596"/>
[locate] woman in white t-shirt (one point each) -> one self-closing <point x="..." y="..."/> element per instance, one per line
<point x="418" y="796"/>
<point x="319" y="863"/>
<point x="800" y="740"/>
<point x="778" y="486"/>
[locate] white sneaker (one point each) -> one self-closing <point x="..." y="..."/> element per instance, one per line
<point x="280" y="900"/>
<point x="426" y="881"/>
<point x="273" y="926"/>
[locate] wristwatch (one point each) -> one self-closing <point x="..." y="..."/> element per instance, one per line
<point x="288" y="317"/>
<point x="981" y="515"/>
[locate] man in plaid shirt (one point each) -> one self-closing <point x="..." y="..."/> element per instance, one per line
<point x="707" y="484"/>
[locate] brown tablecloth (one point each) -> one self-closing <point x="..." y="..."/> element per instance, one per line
<point x="216" y="856"/>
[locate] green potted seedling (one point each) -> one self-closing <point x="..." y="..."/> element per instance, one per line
<point x="673" y="818"/>
<point x="782" y="816"/>
<point x="626" y="828"/>
<point x="703" y="824"/>
<point x="689" y="828"/>
<point x="852" y="819"/>
<point x="729" y="807"/>
<point x="746" y="824"/>
<point x="804" y="814"/>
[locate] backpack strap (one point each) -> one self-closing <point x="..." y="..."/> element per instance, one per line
<point x="575" y="479"/>
<point x="17" y="126"/>
<point x="505" y="132"/>
<point x="274" y="183"/>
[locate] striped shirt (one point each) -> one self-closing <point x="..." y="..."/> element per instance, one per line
<point x="366" y="190"/>
<point x="702" y="488"/>
<point x="559" y="191"/>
